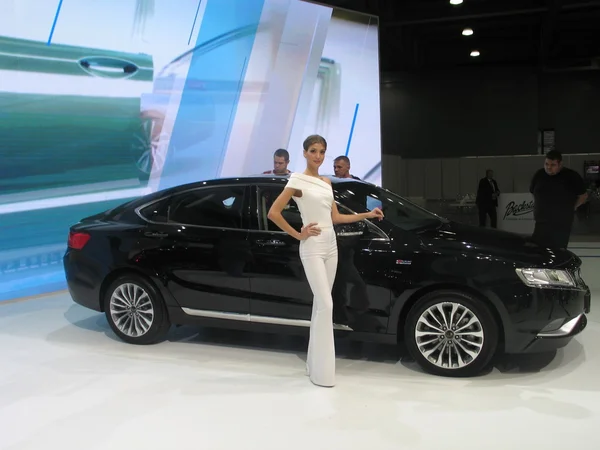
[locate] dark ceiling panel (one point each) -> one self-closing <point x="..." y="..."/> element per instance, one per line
<point x="418" y="35"/>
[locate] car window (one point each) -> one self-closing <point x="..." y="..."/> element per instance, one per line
<point x="364" y="228"/>
<point x="157" y="212"/>
<point x="291" y="213"/>
<point x="361" y="197"/>
<point x="209" y="207"/>
<point x="373" y="203"/>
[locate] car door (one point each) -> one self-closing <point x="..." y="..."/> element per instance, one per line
<point x="390" y="260"/>
<point x="199" y="240"/>
<point x="279" y="287"/>
<point x="278" y="283"/>
<point x="361" y="292"/>
<point x="70" y="115"/>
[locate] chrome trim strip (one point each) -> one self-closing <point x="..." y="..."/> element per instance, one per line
<point x="377" y="230"/>
<point x="217" y="314"/>
<point x="177" y="224"/>
<point x="252" y="230"/>
<point x="565" y="330"/>
<point x="255" y="319"/>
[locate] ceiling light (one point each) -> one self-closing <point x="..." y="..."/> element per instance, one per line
<point x="467" y="32"/>
<point x="475" y="53"/>
<point x="456" y="2"/>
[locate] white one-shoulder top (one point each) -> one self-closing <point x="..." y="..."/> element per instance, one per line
<point x="317" y="199"/>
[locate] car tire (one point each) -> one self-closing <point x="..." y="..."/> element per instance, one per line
<point x="135" y="310"/>
<point x="434" y="342"/>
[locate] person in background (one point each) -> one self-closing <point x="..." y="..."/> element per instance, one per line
<point x="341" y="167"/>
<point x="487" y="199"/>
<point x="557" y="191"/>
<point x="281" y="160"/>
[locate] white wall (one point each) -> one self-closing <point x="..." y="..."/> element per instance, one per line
<point x="447" y="178"/>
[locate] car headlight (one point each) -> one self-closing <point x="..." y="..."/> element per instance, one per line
<point x="546" y="277"/>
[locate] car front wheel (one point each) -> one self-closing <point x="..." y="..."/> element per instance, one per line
<point x="450" y="333"/>
<point x="135" y="310"/>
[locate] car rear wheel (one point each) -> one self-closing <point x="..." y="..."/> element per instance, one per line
<point x="450" y="333"/>
<point x="135" y="310"/>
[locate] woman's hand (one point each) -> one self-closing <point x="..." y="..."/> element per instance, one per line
<point x="376" y="213"/>
<point x="309" y="230"/>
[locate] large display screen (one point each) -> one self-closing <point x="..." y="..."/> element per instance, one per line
<point x="104" y="101"/>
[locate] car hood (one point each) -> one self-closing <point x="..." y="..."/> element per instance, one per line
<point x="466" y="239"/>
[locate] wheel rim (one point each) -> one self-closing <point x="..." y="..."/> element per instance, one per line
<point x="449" y="335"/>
<point x="131" y="310"/>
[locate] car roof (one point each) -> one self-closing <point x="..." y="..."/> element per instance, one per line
<point x="242" y="181"/>
<point x="251" y="179"/>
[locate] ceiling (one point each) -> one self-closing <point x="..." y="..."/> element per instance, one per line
<point x="548" y="35"/>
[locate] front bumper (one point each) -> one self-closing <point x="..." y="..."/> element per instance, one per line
<point x="546" y="341"/>
<point x="542" y="319"/>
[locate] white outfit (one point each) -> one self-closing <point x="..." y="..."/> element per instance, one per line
<point x="319" y="255"/>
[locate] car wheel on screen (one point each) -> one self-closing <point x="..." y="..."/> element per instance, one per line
<point x="135" y="310"/>
<point x="141" y="148"/>
<point x="450" y="333"/>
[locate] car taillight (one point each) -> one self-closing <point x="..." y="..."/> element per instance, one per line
<point x="77" y="240"/>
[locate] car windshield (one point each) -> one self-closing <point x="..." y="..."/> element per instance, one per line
<point x="361" y="197"/>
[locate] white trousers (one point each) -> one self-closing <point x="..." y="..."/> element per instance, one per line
<point x="319" y="255"/>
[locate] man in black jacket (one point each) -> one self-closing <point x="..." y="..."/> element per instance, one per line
<point x="557" y="191"/>
<point x="487" y="199"/>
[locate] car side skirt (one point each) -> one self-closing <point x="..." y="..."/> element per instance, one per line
<point x="268" y="324"/>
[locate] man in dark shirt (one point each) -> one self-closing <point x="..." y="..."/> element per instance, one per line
<point x="487" y="199"/>
<point x="557" y="191"/>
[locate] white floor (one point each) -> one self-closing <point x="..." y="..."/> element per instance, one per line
<point x="65" y="381"/>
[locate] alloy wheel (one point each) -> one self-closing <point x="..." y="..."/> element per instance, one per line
<point x="131" y="310"/>
<point x="449" y="335"/>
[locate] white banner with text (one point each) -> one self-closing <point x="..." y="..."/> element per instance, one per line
<point x="515" y="212"/>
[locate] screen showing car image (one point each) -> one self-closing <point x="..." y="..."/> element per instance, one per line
<point x="93" y="116"/>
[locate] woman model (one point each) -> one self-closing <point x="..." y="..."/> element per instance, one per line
<point x="318" y="251"/>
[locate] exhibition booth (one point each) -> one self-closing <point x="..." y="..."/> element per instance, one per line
<point x="148" y="292"/>
<point x="448" y="186"/>
<point x="95" y="116"/>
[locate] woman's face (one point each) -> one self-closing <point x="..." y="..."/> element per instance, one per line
<point x="315" y="155"/>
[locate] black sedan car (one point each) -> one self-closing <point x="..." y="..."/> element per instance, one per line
<point x="206" y="253"/>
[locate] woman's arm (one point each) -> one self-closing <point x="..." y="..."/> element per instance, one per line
<point x="277" y="218"/>
<point x="336" y="217"/>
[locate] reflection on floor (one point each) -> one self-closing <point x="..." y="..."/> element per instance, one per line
<point x="67" y="382"/>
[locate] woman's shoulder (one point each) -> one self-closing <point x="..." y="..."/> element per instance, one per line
<point x="295" y="181"/>
<point x="300" y="179"/>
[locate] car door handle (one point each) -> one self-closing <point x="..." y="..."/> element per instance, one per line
<point x="270" y="243"/>
<point x="156" y="234"/>
<point x="108" y="67"/>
